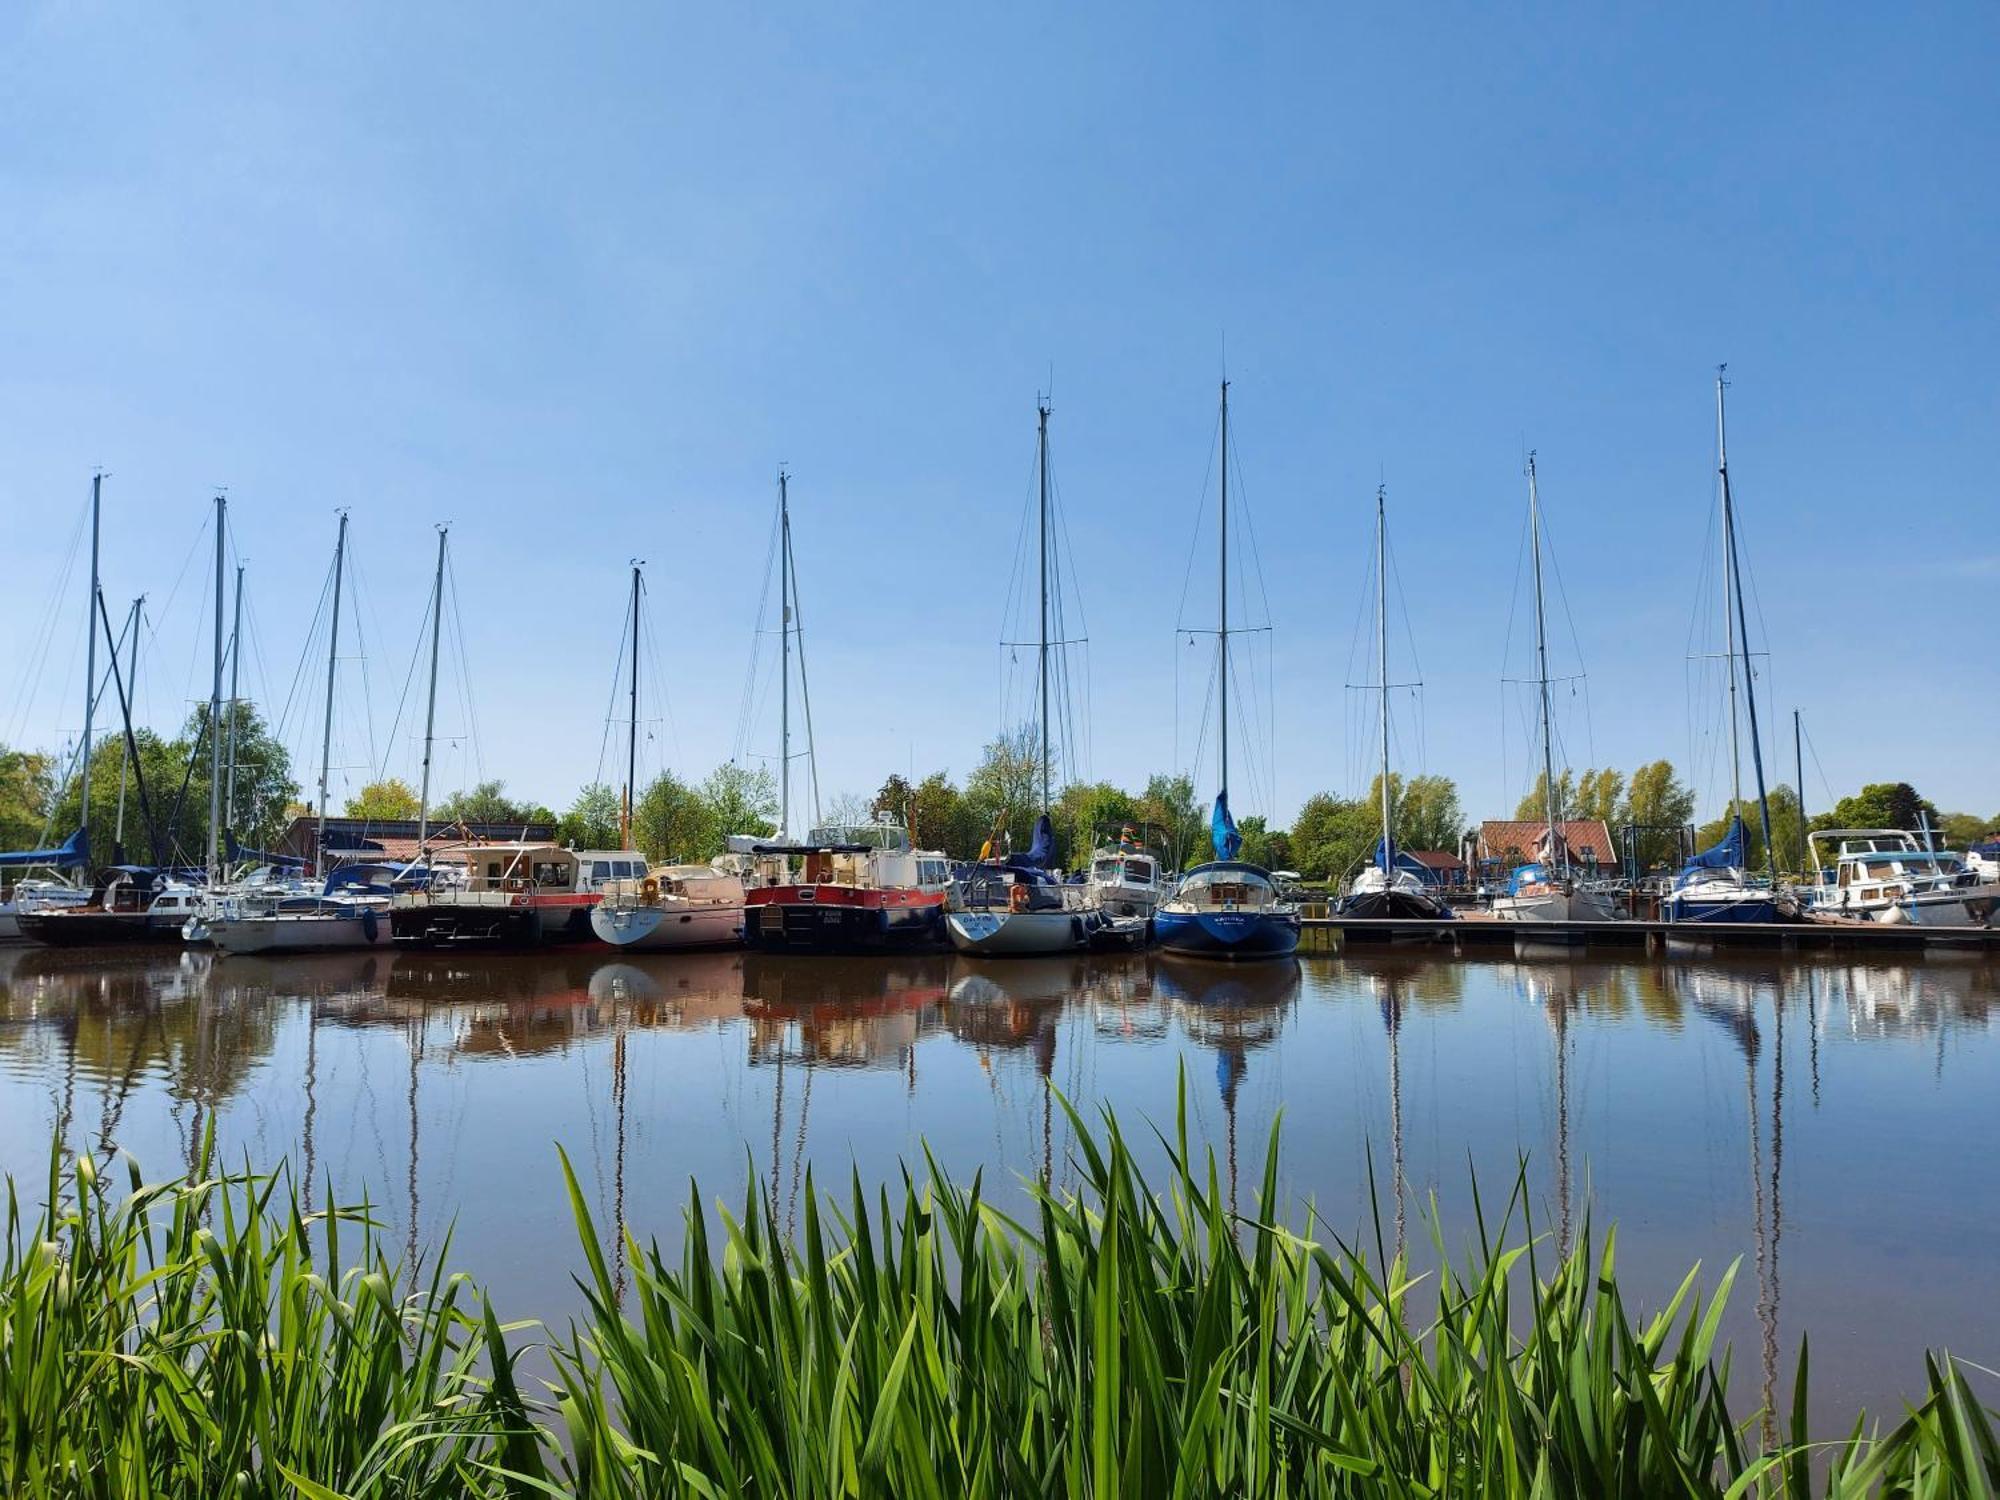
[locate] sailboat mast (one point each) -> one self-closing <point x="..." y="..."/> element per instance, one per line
<point x="1799" y="771"/>
<point x="632" y="735"/>
<point x="90" y="653"/>
<point x="1542" y="662"/>
<point x="430" y="714"/>
<point x="125" y="758"/>
<point x="1222" y="634"/>
<point x="784" y="656"/>
<point x="235" y="678"/>
<point x="1728" y="610"/>
<point x="1743" y="638"/>
<point x="1042" y="454"/>
<point x="215" y="703"/>
<point x="1382" y="648"/>
<point x="332" y="658"/>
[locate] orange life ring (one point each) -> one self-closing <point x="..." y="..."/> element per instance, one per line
<point x="1017" y="897"/>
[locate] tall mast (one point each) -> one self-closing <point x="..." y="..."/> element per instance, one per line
<point x="430" y="715"/>
<point x="1743" y="636"/>
<point x="235" y="674"/>
<point x="1222" y="633"/>
<point x="1042" y="453"/>
<point x="784" y="656"/>
<point x="125" y="758"/>
<point x="1382" y="645"/>
<point x="1728" y="607"/>
<point x="1542" y="662"/>
<point x="215" y="703"/>
<point x="1799" y="770"/>
<point x="90" y="653"/>
<point x="332" y="657"/>
<point x="632" y="735"/>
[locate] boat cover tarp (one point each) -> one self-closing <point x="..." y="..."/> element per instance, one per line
<point x="1222" y="829"/>
<point x="1726" y="855"/>
<point x="1041" y="849"/>
<point x="237" y="854"/>
<point x="1407" y="906"/>
<point x="1385" y="854"/>
<point x="74" y="852"/>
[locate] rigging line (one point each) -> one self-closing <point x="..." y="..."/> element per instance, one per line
<point x="747" y="714"/>
<point x="416" y="651"/>
<point x="611" y="704"/>
<point x="29" y="685"/>
<point x="464" y="668"/>
<point x="1201" y="510"/>
<point x="364" y="607"/>
<point x="312" y="636"/>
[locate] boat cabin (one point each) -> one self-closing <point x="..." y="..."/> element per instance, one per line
<point x="1227" y="885"/>
<point x="871" y="856"/>
<point x="597" y="868"/>
<point x="1880" y="863"/>
<point x="519" y="867"/>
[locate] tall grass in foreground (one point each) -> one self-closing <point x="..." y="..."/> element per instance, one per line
<point x="208" y="1338"/>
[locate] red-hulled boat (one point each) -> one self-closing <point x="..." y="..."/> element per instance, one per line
<point x="847" y="890"/>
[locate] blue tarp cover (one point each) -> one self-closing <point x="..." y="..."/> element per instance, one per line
<point x="1222" y="829"/>
<point x="1727" y="855"/>
<point x="75" y="851"/>
<point x="237" y="853"/>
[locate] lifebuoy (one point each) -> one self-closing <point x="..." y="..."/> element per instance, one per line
<point x="649" y="889"/>
<point x="1017" y="898"/>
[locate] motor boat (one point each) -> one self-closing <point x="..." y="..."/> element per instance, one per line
<point x="672" y="907"/>
<point x="1890" y="875"/>
<point x="847" y="890"/>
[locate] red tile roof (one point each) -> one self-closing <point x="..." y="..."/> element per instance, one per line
<point x="1436" y="859"/>
<point x="1585" y="837"/>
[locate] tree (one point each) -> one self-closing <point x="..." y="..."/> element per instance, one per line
<point x="1090" y="809"/>
<point x="1427" y="814"/>
<point x="672" y="824"/>
<point x="740" y="800"/>
<point x="939" y="818"/>
<point x="592" y="820"/>
<point x="1599" y="795"/>
<point x="1263" y="845"/>
<point x="384" y="801"/>
<point x="1881" y="804"/>
<point x="27" y="787"/>
<point x="1655" y="799"/>
<point x="1961" y="830"/>
<point x="894" y="797"/>
<point x="1333" y="835"/>
<point x="1004" y="789"/>
<point x="1169" y="803"/>
<point x="1785" y="829"/>
<point x="487" y="802"/>
<point x="1534" y="807"/>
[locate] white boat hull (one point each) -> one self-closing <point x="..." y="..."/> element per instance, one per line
<point x="1554" y="905"/>
<point x="994" y="934"/>
<point x="298" y="933"/>
<point x="648" y="929"/>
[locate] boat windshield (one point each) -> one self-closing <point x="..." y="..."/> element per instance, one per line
<point x="1227" y="886"/>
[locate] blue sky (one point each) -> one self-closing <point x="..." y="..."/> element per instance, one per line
<point x="578" y="282"/>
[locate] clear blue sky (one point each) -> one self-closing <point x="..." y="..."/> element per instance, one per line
<point x="578" y="279"/>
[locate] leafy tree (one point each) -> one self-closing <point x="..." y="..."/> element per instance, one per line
<point x="388" y="801"/>
<point x="1263" y="845"/>
<point x="1005" y="788"/>
<point x="1599" y="794"/>
<point x="592" y="820"/>
<point x="1964" y="829"/>
<point x="940" y="819"/>
<point x="1088" y="809"/>
<point x="1333" y="835"/>
<point x="740" y="800"/>
<point x="1535" y="806"/>
<point x="1656" y="798"/>
<point x="487" y="802"/>
<point x="894" y="797"/>
<point x="1785" y="830"/>
<point x="1881" y="804"/>
<point x="27" y="787"/>
<point x="1426" y="808"/>
<point x="1169" y="803"/>
<point x="672" y="823"/>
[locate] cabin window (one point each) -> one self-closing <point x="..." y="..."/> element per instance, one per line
<point x="1139" y="871"/>
<point x="1104" y="869"/>
<point x="492" y="869"/>
<point x="550" y="874"/>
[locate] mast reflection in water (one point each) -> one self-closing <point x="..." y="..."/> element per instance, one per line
<point x="1663" y="1096"/>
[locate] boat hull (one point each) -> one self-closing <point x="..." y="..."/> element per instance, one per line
<point x="1553" y="905"/>
<point x="844" y="919"/>
<point x="76" y="928"/>
<point x="1747" y="906"/>
<point x="1228" y="935"/>
<point x="996" y="934"/>
<point x="465" y="921"/>
<point x="663" y="929"/>
<point x="299" y="933"/>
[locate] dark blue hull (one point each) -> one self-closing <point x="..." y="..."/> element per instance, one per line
<point x="1235" y="935"/>
<point x="1694" y="909"/>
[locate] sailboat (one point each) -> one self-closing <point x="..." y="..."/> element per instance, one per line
<point x="840" y="889"/>
<point x="1010" y="904"/>
<point x="1713" y="886"/>
<point x="1229" y="908"/>
<point x="671" y="906"/>
<point x="1383" y="888"/>
<point x="1547" y="890"/>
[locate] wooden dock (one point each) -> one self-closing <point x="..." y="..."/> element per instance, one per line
<point x="1329" y="934"/>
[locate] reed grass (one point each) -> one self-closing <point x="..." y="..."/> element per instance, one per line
<point x="207" y="1337"/>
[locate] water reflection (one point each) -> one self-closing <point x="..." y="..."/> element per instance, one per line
<point x="438" y="1082"/>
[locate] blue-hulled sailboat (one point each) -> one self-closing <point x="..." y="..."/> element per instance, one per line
<point x="1714" y="886"/>
<point x="1229" y="908"/>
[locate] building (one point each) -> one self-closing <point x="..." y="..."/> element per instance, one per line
<point x="1435" y="867"/>
<point x="396" y="838"/>
<point x="1507" y="843"/>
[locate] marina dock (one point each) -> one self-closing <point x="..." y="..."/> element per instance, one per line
<point x="1330" y="934"/>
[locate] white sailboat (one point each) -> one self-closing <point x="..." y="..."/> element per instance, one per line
<point x="1547" y="890"/>
<point x="1012" y="905"/>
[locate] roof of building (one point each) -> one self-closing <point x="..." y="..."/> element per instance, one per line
<point x="1435" y="859"/>
<point x="1585" y="838"/>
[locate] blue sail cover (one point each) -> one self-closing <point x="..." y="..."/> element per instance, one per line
<point x="73" y="853"/>
<point x="1727" y="855"/>
<point x="1041" y="850"/>
<point x="1222" y="829"/>
<point x="236" y="854"/>
<point x="1385" y="855"/>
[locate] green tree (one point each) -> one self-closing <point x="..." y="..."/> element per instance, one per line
<point x="1088" y="810"/>
<point x="1599" y="794"/>
<point x="1963" y="829"/>
<point x="1332" y="836"/>
<point x="1264" y="845"/>
<point x="1168" y="803"/>
<point x="895" y="797"/>
<point x="27" y="787"/>
<point x="592" y="820"/>
<point x="1656" y="799"/>
<point x="672" y="822"/>
<point x="1427" y="811"/>
<point x="739" y="799"/>
<point x="1881" y="804"/>
<point x="1005" y="788"/>
<point x="488" y="802"/>
<point x="387" y="801"/>
<point x="1785" y="830"/>
<point x="1534" y="807"/>
<point x="940" y="819"/>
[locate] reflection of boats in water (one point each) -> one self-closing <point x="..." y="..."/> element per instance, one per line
<point x="850" y="1012"/>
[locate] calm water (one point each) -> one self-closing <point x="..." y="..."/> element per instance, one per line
<point x="1832" y="1123"/>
